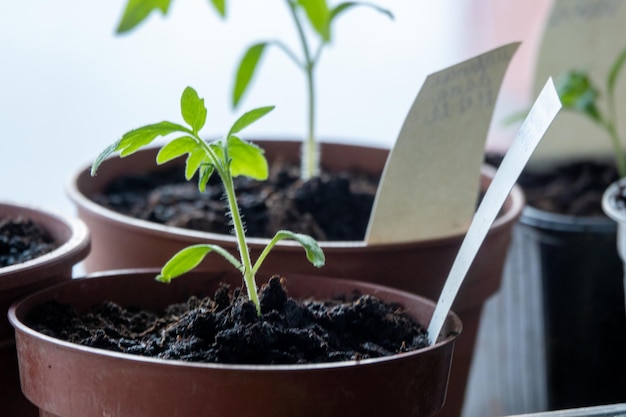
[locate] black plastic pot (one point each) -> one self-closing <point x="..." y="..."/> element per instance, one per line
<point x="583" y="301"/>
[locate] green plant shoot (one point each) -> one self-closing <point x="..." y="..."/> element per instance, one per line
<point x="578" y="93"/>
<point x="229" y="158"/>
<point x="319" y="17"/>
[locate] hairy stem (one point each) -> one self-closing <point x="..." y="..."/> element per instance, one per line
<point x="248" y="273"/>
<point x="223" y="171"/>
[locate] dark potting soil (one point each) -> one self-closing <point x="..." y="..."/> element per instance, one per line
<point x="330" y="207"/>
<point x="226" y="328"/>
<point x="574" y="189"/>
<point x="22" y="240"/>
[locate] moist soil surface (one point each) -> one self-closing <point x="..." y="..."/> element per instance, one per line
<point x="330" y="207"/>
<point x="226" y="329"/>
<point x="22" y="240"/>
<point x="574" y="189"/>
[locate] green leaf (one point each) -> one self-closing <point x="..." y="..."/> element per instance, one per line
<point x="103" y="155"/>
<point x="194" y="160"/>
<point x="189" y="258"/>
<point x="577" y="93"/>
<point x="176" y="148"/>
<point x="616" y="69"/>
<point x="314" y="253"/>
<point x="218" y="149"/>
<point x="205" y="173"/>
<point x="342" y="7"/>
<point x="220" y="7"/>
<point x="248" y="118"/>
<point x="246" y="70"/>
<point x="318" y="15"/>
<point x="137" y="11"/>
<point x="136" y="139"/>
<point x="246" y="159"/>
<point x="193" y="109"/>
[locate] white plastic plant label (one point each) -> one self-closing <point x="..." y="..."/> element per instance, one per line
<point x="528" y="137"/>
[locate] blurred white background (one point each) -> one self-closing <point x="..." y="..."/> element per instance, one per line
<point x="69" y="86"/>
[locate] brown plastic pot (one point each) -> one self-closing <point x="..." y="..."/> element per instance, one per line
<point x="25" y="278"/>
<point x="68" y="380"/>
<point x="419" y="267"/>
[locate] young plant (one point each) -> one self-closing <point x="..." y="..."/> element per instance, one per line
<point x="578" y="93"/>
<point x="229" y="158"/>
<point x="319" y="17"/>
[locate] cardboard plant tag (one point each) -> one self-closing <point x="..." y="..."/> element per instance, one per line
<point x="585" y="35"/>
<point x="536" y="124"/>
<point x="430" y="183"/>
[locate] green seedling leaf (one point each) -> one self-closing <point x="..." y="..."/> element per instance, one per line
<point x="206" y="170"/>
<point x="247" y="159"/>
<point x="194" y="160"/>
<point x="193" y="109"/>
<point x="189" y="258"/>
<point x="220" y="7"/>
<point x="577" y="93"/>
<point x="248" y="118"/>
<point x="108" y="151"/>
<point x="616" y="69"/>
<point x="176" y="148"/>
<point x="246" y="70"/>
<point x="134" y="140"/>
<point x="218" y="150"/>
<point x="342" y="7"/>
<point x="314" y="253"/>
<point x="318" y="14"/>
<point x="137" y="11"/>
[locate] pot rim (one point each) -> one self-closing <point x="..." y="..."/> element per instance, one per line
<point x="516" y="202"/>
<point x="542" y="219"/>
<point x="17" y="323"/>
<point x="72" y="249"/>
<point x="613" y="212"/>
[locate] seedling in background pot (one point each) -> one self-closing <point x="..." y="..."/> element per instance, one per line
<point x="229" y="157"/>
<point x="320" y="18"/>
<point x="578" y="93"/>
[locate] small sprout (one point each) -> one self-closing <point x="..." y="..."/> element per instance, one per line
<point x="320" y="17"/>
<point x="579" y="94"/>
<point x="229" y="157"/>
